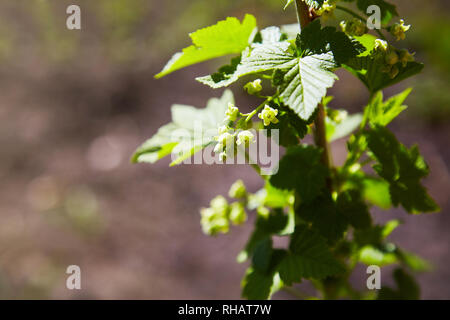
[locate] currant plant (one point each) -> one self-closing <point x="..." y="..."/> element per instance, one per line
<point x="321" y="208"/>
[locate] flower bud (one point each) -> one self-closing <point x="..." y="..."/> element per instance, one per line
<point x="219" y="204"/>
<point x="268" y="115"/>
<point x="405" y="57"/>
<point x="232" y="112"/>
<point x="398" y="30"/>
<point x="253" y="87"/>
<point x="391" y="58"/>
<point x="237" y="213"/>
<point x="237" y="190"/>
<point x="212" y="223"/>
<point x="354" y="27"/>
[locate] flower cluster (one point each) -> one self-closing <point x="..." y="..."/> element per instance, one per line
<point x="216" y="219"/>
<point x="227" y="136"/>
<point x="391" y="57"/>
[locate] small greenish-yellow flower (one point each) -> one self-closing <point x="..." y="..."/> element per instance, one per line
<point x="232" y="112"/>
<point x="398" y="30"/>
<point x="327" y="9"/>
<point x="405" y="57"/>
<point x="212" y="223"/>
<point x="354" y="27"/>
<point x="237" y="213"/>
<point x="339" y="116"/>
<point x="244" y="137"/>
<point x="381" y="45"/>
<point x="237" y="190"/>
<point x="220" y="204"/>
<point x="391" y="57"/>
<point x="225" y="139"/>
<point x="268" y="115"/>
<point x="253" y="87"/>
<point x="222" y="129"/>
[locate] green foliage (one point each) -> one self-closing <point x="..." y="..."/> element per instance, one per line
<point x="402" y="168"/>
<point x="308" y="257"/>
<point x="321" y="210"/>
<point x="180" y="132"/>
<point x="407" y="288"/>
<point x="226" y="37"/>
<point x="382" y="113"/>
<point x="301" y="170"/>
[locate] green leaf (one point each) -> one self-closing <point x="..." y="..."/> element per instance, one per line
<point x="407" y="288"/>
<point x="303" y="80"/>
<point x="228" y="36"/>
<point x="382" y="113"/>
<point x="306" y="83"/>
<point x="376" y="191"/>
<point x="342" y="129"/>
<point x="262" y="255"/>
<point x="351" y="206"/>
<point x="265" y="227"/>
<point x="403" y="169"/>
<point x="370" y="255"/>
<point x="368" y="41"/>
<point x="257" y="285"/>
<point x="300" y="170"/>
<point x="259" y="58"/>
<point x="262" y="279"/>
<point x="179" y="136"/>
<point x="288" y="2"/>
<point x="308" y="257"/>
<point x="276" y="198"/>
<point x="369" y="71"/>
<point x="315" y="40"/>
<point x="324" y="218"/>
<point x="413" y="261"/>
<point x="375" y="235"/>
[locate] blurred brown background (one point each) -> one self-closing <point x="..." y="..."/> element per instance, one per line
<point x="75" y="104"/>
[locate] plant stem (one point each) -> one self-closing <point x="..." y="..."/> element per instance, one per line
<point x="302" y="13"/>
<point x="320" y="137"/>
<point x="251" y="114"/>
